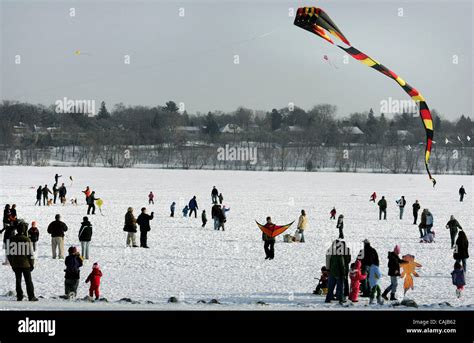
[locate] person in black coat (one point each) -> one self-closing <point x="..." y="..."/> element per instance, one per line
<point x="8" y="231"/>
<point x="22" y="262"/>
<point x="394" y="262"/>
<point x="461" y="251"/>
<point x="62" y="194"/>
<point x="143" y="221"/>
<point x="91" y="203"/>
<point x="382" y="208"/>
<point x="33" y="234"/>
<point x="73" y="264"/>
<point x="85" y="237"/>
<point x="45" y="191"/>
<point x="217" y="214"/>
<point x="13" y="215"/>
<point x="453" y="226"/>
<point x="55" y="192"/>
<point x="214" y="195"/>
<point x="416" y="209"/>
<point x="6" y="215"/>
<point x="367" y="257"/>
<point x="56" y="229"/>
<point x="340" y="226"/>
<point x="39" y="193"/>
<point x="130" y="227"/>
<point x="193" y="207"/>
<point x="269" y="242"/>
<point x="462" y="192"/>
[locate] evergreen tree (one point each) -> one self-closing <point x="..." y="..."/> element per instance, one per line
<point x="103" y="113"/>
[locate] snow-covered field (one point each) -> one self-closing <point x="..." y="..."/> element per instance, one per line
<point x="192" y="263"/>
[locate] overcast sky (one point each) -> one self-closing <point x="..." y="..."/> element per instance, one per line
<point x="191" y="59"/>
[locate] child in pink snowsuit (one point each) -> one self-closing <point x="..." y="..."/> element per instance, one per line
<point x="94" y="278"/>
<point x="356" y="277"/>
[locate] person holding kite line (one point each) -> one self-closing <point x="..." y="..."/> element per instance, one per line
<point x="269" y="232"/>
<point x="56" y="178"/>
<point x="269" y="245"/>
<point x="91" y="203"/>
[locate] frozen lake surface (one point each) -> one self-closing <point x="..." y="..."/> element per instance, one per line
<point x="194" y="263"/>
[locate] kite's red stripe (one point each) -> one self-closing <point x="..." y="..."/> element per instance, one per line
<point x="360" y="56"/>
<point x="395" y="76"/>
<point x="414" y="92"/>
<point x="425" y="114"/>
<point x="428" y="145"/>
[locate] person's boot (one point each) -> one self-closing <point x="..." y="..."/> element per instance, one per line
<point x="33" y="299"/>
<point x="379" y="300"/>
<point x="384" y="294"/>
<point x="371" y="301"/>
<point x="392" y="297"/>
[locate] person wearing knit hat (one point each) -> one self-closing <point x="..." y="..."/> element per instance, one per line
<point x="394" y="262"/>
<point x="94" y="279"/>
<point x="73" y="264"/>
<point x="33" y="234"/>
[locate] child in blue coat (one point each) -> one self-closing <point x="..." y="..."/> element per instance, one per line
<point x="458" y="278"/>
<point x="374" y="280"/>
<point x="185" y="211"/>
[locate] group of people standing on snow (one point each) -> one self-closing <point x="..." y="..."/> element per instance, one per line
<point x="20" y="244"/>
<point x="43" y="192"/>
<point x="142" y="222"/>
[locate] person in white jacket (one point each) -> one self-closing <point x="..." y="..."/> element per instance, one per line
<point x="302" y="224"/>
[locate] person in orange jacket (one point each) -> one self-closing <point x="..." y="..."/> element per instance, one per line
<point x="87" y="192"/>
<point x="94" y="279"/>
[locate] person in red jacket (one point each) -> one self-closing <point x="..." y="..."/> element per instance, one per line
<point x="94" y="279"/>
<point x="151" y="198"/>
<point x="373" y="197"/>
<point x="333" y="213"/>
<point x="356" y="276"/>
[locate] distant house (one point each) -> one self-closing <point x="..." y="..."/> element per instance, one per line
<point x="56" y="132"/>
<point x="190" y="130"/>
<point x="352" y="130"/>
<point x="20" y="129"/>
<point x="231" y="128"/>
<point x="404" y="134"/>
<point x="294" y="128"/>
<point x="352" y="134"/>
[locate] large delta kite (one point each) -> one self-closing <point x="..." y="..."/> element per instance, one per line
<point x="272" y="230"/>
<point x="316" y="21"/>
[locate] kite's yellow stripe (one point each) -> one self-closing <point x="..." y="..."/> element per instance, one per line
<point x="368" y="61"/>
<point x="400" y="81"/>
<point x="418" y="97"/>
<point x="428" y="124"/>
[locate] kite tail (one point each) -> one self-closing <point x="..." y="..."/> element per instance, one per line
<point x="316" y="21"/>
<point x="416" y="96"/>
